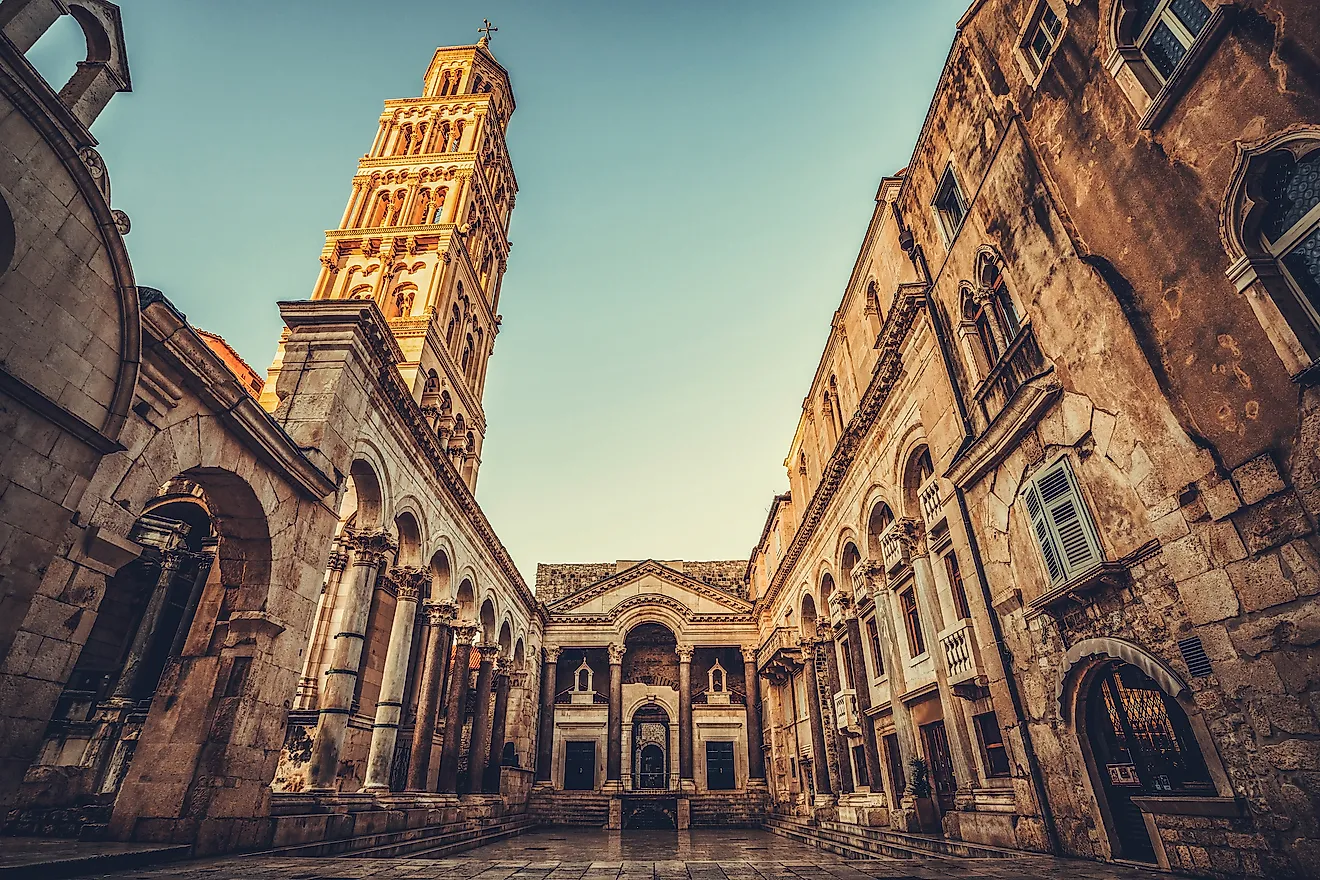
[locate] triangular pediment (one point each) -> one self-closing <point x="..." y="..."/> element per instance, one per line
<point x="651" y="582"/>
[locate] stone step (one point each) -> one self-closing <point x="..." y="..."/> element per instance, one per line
<point x="937" y="845"/>
<point x="792" y="832"/>
<point x="450" y="837"/>
<point x="48" y="858"/>
<point x="884" y="842"/>
<point x="453" y="841"/>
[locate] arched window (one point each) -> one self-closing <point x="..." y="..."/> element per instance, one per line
<point x="1157" y="46"/>
<point x="452" y="330"/>
<point x="880" y="519"/>
<point x="1290" y="226"/>
<point x="925" y="468"/>
<point x="458" y="136"/>
<point x="439" y="204"/>
<point x="836" y="410"/>
<point x="466" y="360"/>
<point x="1273" y="231"/>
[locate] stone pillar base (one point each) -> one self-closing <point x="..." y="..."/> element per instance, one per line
<point x="687" y="785"/>
<point x="615" y="822"/>
<point x="684" y="814"/>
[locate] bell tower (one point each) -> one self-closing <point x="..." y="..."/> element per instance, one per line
<point x="425" y="235"/>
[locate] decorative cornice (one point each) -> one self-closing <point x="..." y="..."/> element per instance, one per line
<point x="909" y="301"/>
<point x="650" y="567"/>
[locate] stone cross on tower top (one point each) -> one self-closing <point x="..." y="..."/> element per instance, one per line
<point x="485" y="32"/>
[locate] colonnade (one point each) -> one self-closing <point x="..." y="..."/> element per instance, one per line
<point x="442" y="637"/>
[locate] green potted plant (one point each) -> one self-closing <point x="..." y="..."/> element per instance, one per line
<point x="928" y="818"/>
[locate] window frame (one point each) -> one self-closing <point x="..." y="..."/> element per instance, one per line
<point x="911" y="609"/>
<point x="949" y="185"/>
<point x="1034" y="65"/>
<point x="957" y="586"/>
<point x="1088" y="531"/>
<point x="1152" y="93"/>
<point x="980" y="722"/>
<point x="1286" y="244"/>
<point x="1165" y="14"/>
<point x="877" y="658"/>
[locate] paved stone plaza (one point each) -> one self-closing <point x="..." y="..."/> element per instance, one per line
<point x="558" y="854"/>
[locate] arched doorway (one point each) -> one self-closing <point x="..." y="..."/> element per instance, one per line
<point x="650" y="739"/>
<point x="1141" y="744"/>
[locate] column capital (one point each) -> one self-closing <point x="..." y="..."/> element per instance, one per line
<point x="911" y="533"/>
<point x="616" y="653"/>
<point x="488" y="652"/>
<point x="685" y="653"/>
<point x="518" y="679"/>
<point x="552" y="653"/>
<point x="503" y="666"/>
<point x="172" y="560"/>
<point x="440" y="613"/>
<point x="338" y="559"/>
<point x="409" y="581"/>
<point x="369" y="546"/>
<point x="748" y="654"/>
<point x="808" y="646"/>
<point x="824" y="632"/>
<point x="465" y="632"/>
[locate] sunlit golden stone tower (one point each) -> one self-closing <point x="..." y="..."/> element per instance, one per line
<point x="425" y="234"/>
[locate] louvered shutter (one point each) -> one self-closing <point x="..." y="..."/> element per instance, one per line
<point x="1075" y="543"/>
<point x="1044" y="535"/>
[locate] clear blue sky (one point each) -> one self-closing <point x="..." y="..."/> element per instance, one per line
<point x="696" y="178"/>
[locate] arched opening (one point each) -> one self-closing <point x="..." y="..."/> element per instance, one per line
<point x="847" y="562"/>
<point x="488" y="622"/>
<point x="519" y="655"/>
<point x="1138" y="742"/>
<point x="880" y="519"/>
<point x="365" y="486"/>
<point x="651" y="656"/>
<point x="807" y="618"/>
<point x="410" y="540"/>
<point x="467" y="602"/>
<point x="650" y="741"/>
<point x="505" y="639"/>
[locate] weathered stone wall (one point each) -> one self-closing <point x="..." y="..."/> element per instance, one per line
<point x="554" y="581"/>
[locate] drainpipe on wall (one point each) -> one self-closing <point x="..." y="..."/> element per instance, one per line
<point x="918" y="259"/>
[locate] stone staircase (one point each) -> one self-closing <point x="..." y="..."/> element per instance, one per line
<point x="431" y="841"/>
<point x="588" y="808"/>
<point x="863" y="842"/>
<point x="728" y="810"/>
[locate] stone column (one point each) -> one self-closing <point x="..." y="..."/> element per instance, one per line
<point x="685" y="653"/>
<point x="498" y="722"/>
<point x="825" y="643"/>
<point x="439" y="616"/>
<point x="545" y="736"/>
<point x="862" y="683"/>
<point x="458" y="690"/>
<point x="480" y="720"/>
<point x="205" y="560"/>
<point x="370" y="549"/>
<point x="408" y="582"/>
<point x="614" y="732"/>
<point x="170" y="562"/>
<point x="913" y="534"/>
<point x="820" y="756"/>
<point x="309" y="687"/>
<point x="755" y="736"/>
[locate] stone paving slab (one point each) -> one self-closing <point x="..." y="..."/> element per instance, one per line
<point x="571" y="854"/>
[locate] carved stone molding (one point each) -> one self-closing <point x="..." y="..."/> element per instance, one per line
<point x="464" y="633"/>
<point x="616" y="653"/>
<point x="440" y="613"/>
<point x="685" y="653"/>
<point x="552" y="653"/>
<point x="488" y="652"/>
<point x="369" y="546"/>
<point x="409" y="582"/>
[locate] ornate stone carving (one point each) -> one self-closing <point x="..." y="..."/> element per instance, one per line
<point x="488" y="652"/>
<point x="338" y="560"/>
<point x="911" y="533"/>
<point x="409" y="582"/>
<point x="440" y="613"/>
<point x="369" y="546"/>
<point x="552" y="653"/>
<point x="465" y="632"/>
<point x="616" y="653"/>
<point x="503" y="666"/>
<point x="748" y="655"/>
<point x="685" y="653"/>
<point x="122" y="222"/>
<point x="518" y="679"/>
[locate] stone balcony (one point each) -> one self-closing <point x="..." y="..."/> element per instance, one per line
<point x="893" y="551"/>
<point x="932" y="509"/>
<point x="845" y="711"/>
<point x="963" y="659"/>
<point x="780" y="653"/>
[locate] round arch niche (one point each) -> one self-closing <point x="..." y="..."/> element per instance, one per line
<point x="651" y="656"/>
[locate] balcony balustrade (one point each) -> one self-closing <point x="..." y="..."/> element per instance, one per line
<point x="1022" y="362"/>
<point x="963" y="659"/>
<point x="846" y="717"/>
<point x="893" y="551"/>
<point x="929" y="496"/>
<point x="780" y="652"/>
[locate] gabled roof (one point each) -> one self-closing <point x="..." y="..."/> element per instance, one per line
<point x="651" y="568"/>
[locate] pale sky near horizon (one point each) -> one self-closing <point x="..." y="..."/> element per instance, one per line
<point x="695" y="179"/>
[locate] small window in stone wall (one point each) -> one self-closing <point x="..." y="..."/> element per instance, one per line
<point x="860" y="772"/>
<point x="1157" y="47"/>
<point x="950" y="205"/>
<point x="992" y="744"/>
<point x="1041" y="36"/>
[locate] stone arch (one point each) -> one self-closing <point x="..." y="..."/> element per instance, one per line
<point x="486" y="622"/>
<point x="368" y="493"/>
<point x="466" y="599"/>
<point x="409" y="535"/>
<point x="878" y="517"/>
<point x="441" y="575"/>
<point x="650" y="612"/>
<point x="808" y="615"/>
<point x="519" y="653"/>
<point x="505" y="638"/>
<point x="1065" y="691"/>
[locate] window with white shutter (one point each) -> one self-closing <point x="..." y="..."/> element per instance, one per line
<point x="1061" y="523"/>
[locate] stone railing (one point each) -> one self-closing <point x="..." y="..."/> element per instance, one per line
<point x="893" y="551"/>
<point x="780" y="648"/>
<point x="929" y="497"/>
<point x="1022" y="362"/>
<point x="960" y="654"/>
<point x="845" y="711"/>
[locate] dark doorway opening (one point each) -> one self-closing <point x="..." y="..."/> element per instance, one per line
<point x="719" y="766"/>
<point x="1143" y="745"/>
<point x="650" y="812"/>
<point x="580" y="765"/>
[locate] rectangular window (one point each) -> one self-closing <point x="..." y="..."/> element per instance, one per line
<point x="894" y="758"/>
<point x="877" y="659"/>
<point x="1044" y="35"/>
<point x="1170" y="29"/>
<point x="912" y="620"/>
<point x="860" y="773"/>
<point x="719" y="766"/>
<point x="956" y="586"/>
<point x="950" y="206"/>
<point x="847" y="665"/>
<point x="992" y="744"/>
<point x="1064" y="531"/>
